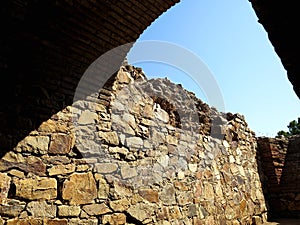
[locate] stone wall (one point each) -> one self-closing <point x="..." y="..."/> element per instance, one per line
<point x="136" y="152"/>
<point x="280" y="162"/>
<point x="47" y="45"/>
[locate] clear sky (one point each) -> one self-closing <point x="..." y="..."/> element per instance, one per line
<point x="226" y="36"/>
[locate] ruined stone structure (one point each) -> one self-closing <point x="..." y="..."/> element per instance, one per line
<point x="280" y="158"/>
<point x="46" y="47"/>
<point x="138" y="152"/>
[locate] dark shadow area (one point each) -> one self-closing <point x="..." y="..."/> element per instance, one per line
<point x="279" y="169"/>
<point x="46" y="47"/>
<point x="268" y="178"/>
<point x="290" y="181"/>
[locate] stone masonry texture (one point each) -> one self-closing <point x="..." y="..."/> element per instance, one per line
<point x="136" y="152"/>
<point x="47" y="46"/>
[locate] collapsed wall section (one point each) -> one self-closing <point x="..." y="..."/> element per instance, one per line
<point x="137" y="152"/>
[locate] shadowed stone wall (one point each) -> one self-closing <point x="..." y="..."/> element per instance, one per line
<point x="280" y="161"/>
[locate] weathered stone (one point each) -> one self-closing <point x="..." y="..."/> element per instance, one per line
<point x="30" y="164"/>
<point x="119" y="125"/>
<point x="51" y="126"/>
<point x="80" y="188"/>
<point x="96" y="209"/>
<point x="56" y="159"/>
<point x="35" y="144"/>
<point x="61" y="169"/>
<point x="124" y="77"/>
<point x="181" y="186"/>
<point x="16" y="173"/>
<point x="148" y="111"/>
<point x="75" y="221"/>
<point x="149" y="194"/>
<point x="172" y="140"/>
<point x="121" y="191"/>
<point x="4" y="187"/>
<point x="88" y="117"/>
<point x="114" y="219"/>
<point x="163" y="160"/>
<point x="184" y="198"/>
<point x="119" y="205"/>
<point x="55" y="222"/>
<point x="128" y="172"/>
<point x="167" y="195"/>
<point x="192" y="167"/>
<point x="60" y="144"/>
<point x="12" y="208"/>
<point x="134" y="142"/>
<point x="230" y="213"/>
<point x="68" y="211"/>
<point x="257" y="220"/>
<point x="103" y="187"/>
<point x="36" y="188"/>
<point x="122" y="151"/>
<point x="109" y="137"/>
<point x="161" y="114"/>
<point x="130" y="120"/>
<point x="141" y="211"/>
<point x="27" y="221"/>
<point x="174" y="213"/>
<point x="192" y="210"/>
<point x="82" y="168"/>
<point x="40" y="209"/>
<point x="208" y="191"/>
<point x="105" y="168"/>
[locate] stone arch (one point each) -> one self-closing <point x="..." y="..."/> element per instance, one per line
<point x="47" y="45"/>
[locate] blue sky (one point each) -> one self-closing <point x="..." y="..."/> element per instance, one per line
<point x="226" y="36"/>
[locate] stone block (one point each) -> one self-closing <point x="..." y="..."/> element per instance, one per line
<point x="40" y="209"/>
<point x="35" y="144"/>
<point x="12" y="208"/>
<point x="96" y="209"/>
<point x="114" y="219"/>
<point x="68" y="211"/>
<point x="60" y="144"/>
<point x="36" y="188"/>
<point x="119" y="205"/>
<point x="4" y="187"/>
<point x="80" y="188"/>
